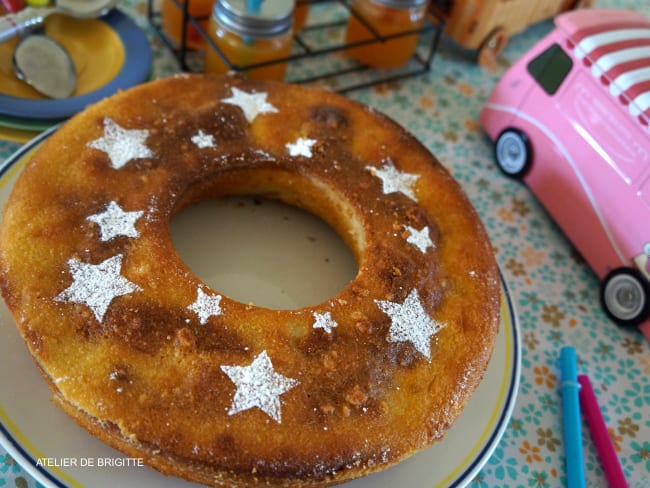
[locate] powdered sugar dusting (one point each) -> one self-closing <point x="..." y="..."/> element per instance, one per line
<point x="258" y="385"/>
<point x="324" y="321"/>
<point x="122" y="145"/>
<point x="205" y="306"/>
<point x="411" y="323"/>
<point x="419" y="238"/>
<point x="96" y="285"/>
<point x="394" y="180"/>
<point x="252" y="104"/>
<point x="115" y="222"/>
<point x="302" y="147"/>
<point x="203" y="140"/>
<point x="264" y="155"/>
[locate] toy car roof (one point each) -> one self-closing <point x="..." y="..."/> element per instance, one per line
<point x="616" y="45"/>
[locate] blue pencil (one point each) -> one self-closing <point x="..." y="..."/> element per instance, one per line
<point x="571" y="420"/>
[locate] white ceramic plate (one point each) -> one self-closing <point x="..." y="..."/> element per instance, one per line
<point x="32" y="428"/>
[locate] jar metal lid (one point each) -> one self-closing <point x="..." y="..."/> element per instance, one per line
<point x="273" y="18"/>
<point x="402" y="4"/>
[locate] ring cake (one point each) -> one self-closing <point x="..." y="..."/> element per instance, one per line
<point x="157" y="364"/>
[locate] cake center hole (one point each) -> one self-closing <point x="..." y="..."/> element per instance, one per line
<point x="264" y="252"/>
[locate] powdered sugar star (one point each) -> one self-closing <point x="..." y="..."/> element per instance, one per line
<point x="205" y="306"/>
<point x="419" y="238"/>
<point x="394" y="180"/>
<point x="121" y="145"/>
<point x="324" y="321"/>
<point x="96" y="285"/>
<point x="258" y="385"/>
<point x="115" y="222"/>
<point x="252" y="104"/>
<point x="302" y="147"/>
<point x="410" y="322"/>
<point x="203" y="140"/>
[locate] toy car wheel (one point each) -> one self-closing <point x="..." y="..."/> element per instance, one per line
<point x="513" y="153"/>
<point x="624" y="295"/>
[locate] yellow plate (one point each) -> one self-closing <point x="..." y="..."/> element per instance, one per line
<point x="17" y="135"/>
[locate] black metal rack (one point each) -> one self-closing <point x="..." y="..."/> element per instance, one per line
<point x="306" y="50"/>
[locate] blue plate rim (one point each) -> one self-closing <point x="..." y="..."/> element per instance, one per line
<point x="137" y="64"/>
<point x="505" y="414"/>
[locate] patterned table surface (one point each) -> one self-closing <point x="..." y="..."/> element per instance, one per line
<point x="554" y="292"/>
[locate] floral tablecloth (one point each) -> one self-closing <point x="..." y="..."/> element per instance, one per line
<point x="554" y="292"/>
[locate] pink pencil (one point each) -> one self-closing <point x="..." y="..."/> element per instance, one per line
<point x="599" y="434"/>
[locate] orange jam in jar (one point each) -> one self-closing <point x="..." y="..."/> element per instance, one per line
<point x="300" y="15"/>
<point x="172" y="20"/>
<point x="248" y="37"/>
<point x="386" y="17"/>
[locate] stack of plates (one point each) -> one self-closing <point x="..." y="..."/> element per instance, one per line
<point x="109" y="54"/>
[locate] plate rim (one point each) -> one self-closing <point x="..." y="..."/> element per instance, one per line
<point x="11" y="122"/>
<point x="138" y="58"/>
<point x="464" y="473"/>
<point x="511" y="397"/>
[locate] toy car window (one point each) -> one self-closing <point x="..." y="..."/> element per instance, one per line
<point x="550" y="68"/>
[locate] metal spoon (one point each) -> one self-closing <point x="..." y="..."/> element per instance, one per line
<point x="45" y="65"/>
<point x="12" y="25"/>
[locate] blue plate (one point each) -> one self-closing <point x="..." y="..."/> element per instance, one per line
<point x="135" y="69"/>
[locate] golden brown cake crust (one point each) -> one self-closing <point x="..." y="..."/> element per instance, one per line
<point x="227" y="392"/>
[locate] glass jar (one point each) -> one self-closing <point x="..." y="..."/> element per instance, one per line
<point x="386" y="17"/>
<point x="300" y="15"/>
<point x="172" y="21"/>
<point x="248" y="36"/>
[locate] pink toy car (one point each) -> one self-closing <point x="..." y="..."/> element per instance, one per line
<point x="571" y="119"/>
